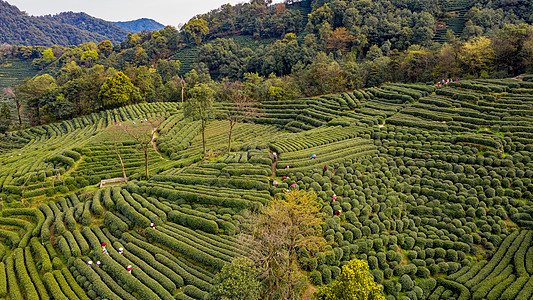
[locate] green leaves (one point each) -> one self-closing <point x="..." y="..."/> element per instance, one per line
<point x="201" y="98"/>
<point x="237" y="280"/>
<point x="118" y="91"/>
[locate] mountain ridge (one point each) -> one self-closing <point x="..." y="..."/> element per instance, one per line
<point x="139" y="25"/>
<point x="64" y="28"/>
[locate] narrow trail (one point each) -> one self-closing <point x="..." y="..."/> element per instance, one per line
<point x="274" y="164"/>
<point x="155" y="146"/>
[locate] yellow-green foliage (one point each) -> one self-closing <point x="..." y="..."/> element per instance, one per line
<point x="354" y="282"/>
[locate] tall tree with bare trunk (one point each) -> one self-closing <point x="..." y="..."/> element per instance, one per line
<point x="199" y="106"/>
<point x="142" y="132"/>
<point x="114" y="135"/>
<point x="10" y="94"/>
<point x="242" y="109"/>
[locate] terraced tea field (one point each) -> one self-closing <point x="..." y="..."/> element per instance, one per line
<point x="432" y="187"/>
<point x="14" y="71"/>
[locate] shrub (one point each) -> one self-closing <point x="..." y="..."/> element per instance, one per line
<point x="427" y="286"/>
<point x="194" y="292"/>
<point x="378" y="276"/>
<point x="497" y="291"/>
<point x="27" y="212"/>
<point x="53" y="286"/>
<point x="392" y="287"/>
<point x="73" y="284"/>
<point x="96" y="204"/>
<point x="187" y="250"/>
<point x="112" y="284"/>
<point x="195" y="222"/>
<point x="118" y="272"/>
<point x="82" y="243"/>
<point x="187" y="277"/>
<point x="69" y="293"/>
<point x="56" y="263"/>
<point x="407" y="283"/>
<point x="23" y="275"/>
<point x="45" y="228"/>
<point x="489" y="283"/>
<point x="42" y="255"/>
<point x="315" y="277"/>
<point x="164" y="281"/>
<point x="464" y="293"/>
<point x="115" y="224"/>
<point x="14" y="290"/>
<point x="514" y="288"/>
<point x="129" y="211"/>
<point x="3" y="280"/>
<point x="73" y="245"/>
<point x="326" y="276"/>
<point x="149" y="259"/>
<point x="108" y="202"/>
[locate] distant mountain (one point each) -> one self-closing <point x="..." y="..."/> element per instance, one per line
<point x="69" y="28"/>
<point x="140" y="25"/>
<point x="88" y="23"/>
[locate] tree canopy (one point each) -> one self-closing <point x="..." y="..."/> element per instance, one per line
<point x="118" y="91"/>
<point x="355" y="282"/>
<point x="237" y="280"/>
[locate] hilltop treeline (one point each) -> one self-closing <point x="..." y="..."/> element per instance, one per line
<point x="62" y="29"/>
<point x="284" y="51"/>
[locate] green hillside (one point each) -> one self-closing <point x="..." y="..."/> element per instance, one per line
<point x="139" y="25"/>
<point x="455" y="11"/>
<point x="66" y="28"/>
<point x="432" y="185"/>
<point x="187" y="58"/>
<point x="189" y="55"/>
<point x="14" y="71"/>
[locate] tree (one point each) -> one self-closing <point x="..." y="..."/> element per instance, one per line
<point x="237" y="281"/>
<point x="89" y="57"/>
<point x="8" y="93"/>
<point x="183" y="85"/>
<point x="508" y="44"/>
<point x="143" y="135"/>
<point x="355" y="282"/>
<point x="196" y="28"/>
<point x="199" y="106"/>
<point x="447" y="64"/>
<point x="288" y="223"/>
<point x="340" y="39"/>
<point x="105" y="47"/>
<point x="477" y="55"/>
<point x="242" y="109"/>
<point x="114" y="136"/>
<point x="30" y="92"/>
<point x="5" y="117"/>
<point x="324" y="75"/>
<point x="168" y="69"/>
<point x="118" y="91"/>
<point x="47" y="56"/>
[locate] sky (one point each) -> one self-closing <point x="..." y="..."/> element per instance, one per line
<point x="166" y="12"/>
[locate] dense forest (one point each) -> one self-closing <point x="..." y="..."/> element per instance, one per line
<point x="283" y="51"/>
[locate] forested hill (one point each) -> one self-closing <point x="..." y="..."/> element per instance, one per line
<point x="276" y="51"/>
<point x="88" y="23"/>
<point x="18" y="28"/>
<point x="140" y="25"/>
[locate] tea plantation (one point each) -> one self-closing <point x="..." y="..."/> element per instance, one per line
<point x="431" y="186"/>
